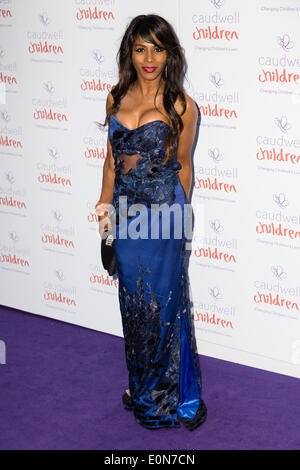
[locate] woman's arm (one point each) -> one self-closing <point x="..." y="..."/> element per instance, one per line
<point x="185" y="144"/>
<point x="108" y="180"/>
<point x="108" y="176"/>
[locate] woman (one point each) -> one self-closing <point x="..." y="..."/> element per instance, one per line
<point x="152" y="125"/>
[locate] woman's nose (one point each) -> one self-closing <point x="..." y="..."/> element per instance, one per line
<point x="149" y="56"/>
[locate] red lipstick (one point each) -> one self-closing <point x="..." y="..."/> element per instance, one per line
<point x="149" y="69"/>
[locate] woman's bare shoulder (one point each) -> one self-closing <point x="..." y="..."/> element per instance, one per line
<point x="190" y="112"/>
<point x="109" y="101"/>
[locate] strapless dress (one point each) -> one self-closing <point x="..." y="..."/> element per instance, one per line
<point x="160" y="347"/>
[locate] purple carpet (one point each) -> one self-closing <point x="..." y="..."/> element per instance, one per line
<point x="62" y="384"/>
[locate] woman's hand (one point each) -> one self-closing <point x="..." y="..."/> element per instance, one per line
<point x="102" y="210"/>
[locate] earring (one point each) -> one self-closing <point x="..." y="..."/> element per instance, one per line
<point x="166" y="71"/>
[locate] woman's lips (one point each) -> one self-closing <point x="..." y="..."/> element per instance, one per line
<point x="149" y="69"/>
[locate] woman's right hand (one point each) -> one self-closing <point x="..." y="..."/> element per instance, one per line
<point x="102" y="210"/>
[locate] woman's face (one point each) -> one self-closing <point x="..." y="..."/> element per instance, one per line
<point x="148" y="59"/>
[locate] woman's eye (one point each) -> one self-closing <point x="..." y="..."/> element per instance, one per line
<point x="159" y="49"/>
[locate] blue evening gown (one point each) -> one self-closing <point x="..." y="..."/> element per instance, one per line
<point x="160" y="346"/>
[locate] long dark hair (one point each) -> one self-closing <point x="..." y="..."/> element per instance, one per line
<point x="143" y="25"/>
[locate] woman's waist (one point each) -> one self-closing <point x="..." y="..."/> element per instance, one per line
<point x="168" y="192"/>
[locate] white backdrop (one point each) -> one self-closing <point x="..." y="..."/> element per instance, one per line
<point x="57" y="64"/>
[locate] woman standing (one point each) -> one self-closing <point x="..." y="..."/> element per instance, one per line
<point x="152" y="126"/>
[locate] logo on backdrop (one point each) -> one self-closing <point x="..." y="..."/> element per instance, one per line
<point x="212" y="314"/>
<point x="97" y="79"/>
<point x="215" y="155"/>
<point x="44" y="18"/>
<point x="216" y="79"/>
<point x="205" y="32"/>
<point x="98" y="56"/>
<point x="95" y="147"/>
<point x="46" y="44"/>
<point x="12" y="197"/>
<point x="7" y="73"/>
<point x="58" y="237"/>
<point x="50" y="108"/>
<point x="101" y="281"/>
<point x="96" y="16"/>
<point x="280" y="200"/>
<point x="221" y="250"/>
<point x="4" y="115"/>
<point x="14" y="255"/>
<point x="217" y="3"/>
<point x="10" y="138"/>
<point x="217" y="104"/>
<point x="283" y="70"/>
<point x="285" y="42"/>
<point x="277" y="295"/>
<point x="6" y="14"/>
<point x="282" y="123"/>
<point x="282" y="227"/>
<point x="57" y="294"/>
<point x="282" y="151"/>
<point x="216" y="226"/>
<point x="52" y="175"/>
<point x="215" y="179"/>
<point x="278" y="272"/>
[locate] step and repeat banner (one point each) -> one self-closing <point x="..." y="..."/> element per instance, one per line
<point x="57" y="65"/>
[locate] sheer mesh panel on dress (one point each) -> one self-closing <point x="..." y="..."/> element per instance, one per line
<point x="128" y="162"/>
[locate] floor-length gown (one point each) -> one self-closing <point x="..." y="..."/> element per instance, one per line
<point x="160" y="347"/>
